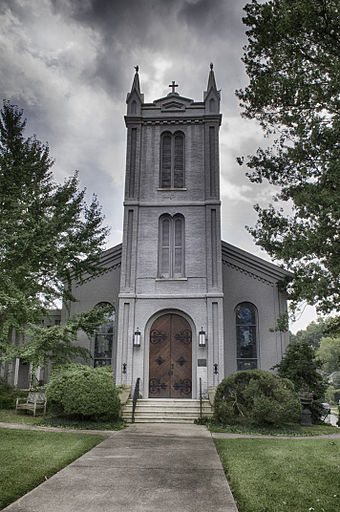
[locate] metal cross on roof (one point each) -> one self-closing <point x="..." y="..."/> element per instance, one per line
<point x="173" y="85"/>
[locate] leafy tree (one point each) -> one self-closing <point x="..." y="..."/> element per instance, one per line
<point x="329" y="355"/>
<point x="292" y="60"/>
<point x="312" y="334"/>
<point x="49" y="237"/>
<point x="301" y="367"/>
<point x="56" y="344"/>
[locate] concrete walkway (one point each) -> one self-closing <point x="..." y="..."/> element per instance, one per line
<point x="146" y="467"/>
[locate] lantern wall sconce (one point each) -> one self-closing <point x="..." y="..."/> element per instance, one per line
<point x="136" y="338"/>
<point x="201" y="338"/>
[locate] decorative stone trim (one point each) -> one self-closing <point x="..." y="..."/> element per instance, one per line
<point x="158" y="122"/>
<point x="106" y="271"/>
<point x="247" y="273"/>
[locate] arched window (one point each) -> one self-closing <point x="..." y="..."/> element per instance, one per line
<point x="246" y="317"/>
<point x="171" y="246"/>
<point x="104" y="338"/>
<point x="172" y="160"/>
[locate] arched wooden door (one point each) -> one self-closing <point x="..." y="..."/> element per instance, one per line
<point x="170" y="363"/>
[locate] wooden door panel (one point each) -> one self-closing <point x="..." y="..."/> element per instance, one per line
<point x="181" y="358"/>
<point x="170" y="361"/>
<point x="159" y="382"/>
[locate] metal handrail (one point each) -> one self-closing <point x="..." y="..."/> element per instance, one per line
<point x="201" y="399"/>
<point x="134" y="399"/>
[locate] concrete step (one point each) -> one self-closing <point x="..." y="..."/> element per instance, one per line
<point x="166" y="410"/>
<point x="169" y="402"/>
<point x="165" y="414"/>
<point x="153" y="419"/>
<point x="192" y="407"/>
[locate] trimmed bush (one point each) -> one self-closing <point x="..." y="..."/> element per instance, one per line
<point x="82" y="392"/>
<point x="258" y="397"/>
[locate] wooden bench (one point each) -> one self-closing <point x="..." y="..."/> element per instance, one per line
<point x="35" y="400"/>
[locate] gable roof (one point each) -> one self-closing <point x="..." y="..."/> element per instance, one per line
<point x="232" y="255"/>
<point x="247" y="261"/>
<point x="111" y="256"/>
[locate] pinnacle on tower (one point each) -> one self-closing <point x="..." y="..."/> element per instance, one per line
<point x="212" y="90"/>
<point x="135" y="87"/>
<point x="211" y="79"/>
<point x="135" y="83"/>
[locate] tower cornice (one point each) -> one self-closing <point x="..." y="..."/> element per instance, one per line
<point x="174" y="119"/>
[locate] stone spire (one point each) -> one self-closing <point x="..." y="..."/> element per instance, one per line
<point x="135" y="89"/>
<point x="135" y="83"/>
<point x="212" y="95"/>
<point x="211" y="79"/>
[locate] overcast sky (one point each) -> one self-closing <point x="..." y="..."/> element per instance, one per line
<point x="70" y="63"/>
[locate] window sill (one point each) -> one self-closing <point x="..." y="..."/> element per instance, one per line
<point x="171" y="278"/>
<point x="171" y="189"/>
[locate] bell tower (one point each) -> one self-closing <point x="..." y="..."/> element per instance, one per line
<point x="171" y="273"/>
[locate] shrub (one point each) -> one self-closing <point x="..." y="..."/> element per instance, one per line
<point x="301" y="367"/>
<point x="80" y="391"/>
<point x="256" y="396"/>
<point x="9" y="394"/>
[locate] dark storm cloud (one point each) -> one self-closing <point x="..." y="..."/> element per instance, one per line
<point x="211" y="18"/>
<point x="132" y="28"/>
<point x="123" y="28"/>
<point x="124" y="24"/>
<point x="136" y="17"/>
<point x="15" y="6"/>
<point x="129" y="17"/>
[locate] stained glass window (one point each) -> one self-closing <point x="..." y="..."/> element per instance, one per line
<point x="104" y="338"/>
<point x="246" y="331"/>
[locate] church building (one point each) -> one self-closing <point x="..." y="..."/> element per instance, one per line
<point x="186" y="305"/>
<point x="187" y="308"/>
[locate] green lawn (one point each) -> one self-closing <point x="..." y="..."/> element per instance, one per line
<point x="285" y="430"/>
<point x="29" y="457"/>
<point x="10" y="416"/>
<point x="283" y="475"/>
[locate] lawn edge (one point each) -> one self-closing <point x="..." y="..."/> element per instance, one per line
<point x="45" y="480"/>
